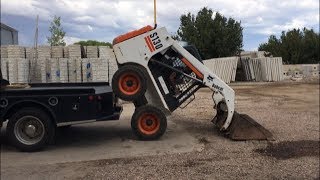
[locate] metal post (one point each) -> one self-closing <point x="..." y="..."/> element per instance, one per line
<point x="155" y="13"/>
<point x="35" y="53"/>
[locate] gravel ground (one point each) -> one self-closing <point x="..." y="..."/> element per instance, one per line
<point x="289" y="110"/>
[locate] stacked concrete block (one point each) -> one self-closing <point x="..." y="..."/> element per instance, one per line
<point x="57" y="51"/>
<point x="44" y="76"/>
<point x="54" y="70"/>
<point x="95" y="69"/>
<point x="92" y="51"/>
<point x="34" y="73"/>
<point x="64" y="70"/>
<point x="16" y="51"/>
<point x="4" y="51"/>
<point x="99" y="70"/>
<point x="23" y="70"/>
<point x="75" y="69"/>
<point x="105" y="70"/>
<point x="107" y="55"/>
<point x="4" y="67"/>
<point x="66" y="52"/>
<point x="74" y="51"/>
<point x="44" y="54"/>
<point x="224" y="68"/>
<point x="72" y="70"/>
<point x="87" y="69"/>
<point x="79" y="71"/>
<point x="13" y="70"/>
<point x="30" y="53"/>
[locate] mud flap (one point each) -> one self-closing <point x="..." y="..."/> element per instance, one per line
<point x="243" y="128"/>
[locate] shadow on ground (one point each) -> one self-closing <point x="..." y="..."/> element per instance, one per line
<point x="291" y="149"/>
<point x="82" y="136"/>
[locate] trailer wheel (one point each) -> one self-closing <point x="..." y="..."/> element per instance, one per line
<point x="129" y="83"/>
<point x="148" y="123"/>
<point x="30" y="129"/>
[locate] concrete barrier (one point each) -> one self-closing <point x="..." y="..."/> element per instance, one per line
<point x="224" y="68"/>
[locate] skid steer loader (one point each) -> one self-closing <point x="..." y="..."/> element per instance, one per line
<point x="158" y="76"/>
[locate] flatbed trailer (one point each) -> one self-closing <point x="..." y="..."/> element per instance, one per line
<point x="34" y="111"/>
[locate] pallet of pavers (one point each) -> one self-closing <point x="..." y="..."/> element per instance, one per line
<point x="59" y="70"/>
<point x="57" y="51"/>
<point x="73" y="70"/>
<point x="108" y="57"/>
<point x="64" y="67"/>
<point x="15" y="54"/>
<point x="23" y="70"/>
<point x="99" y="70"/>
<point x="4" y="68"/>
<point x="92" y="51"/>
<point x="13" y="70"/>
<point x="54" y="70"/>
<point x="66" y="52"/>
<point x="74" y="51"/>
<point x="44" y="54"/>
<point x="45" y="71"/>
<point x="16" y="51"/>
<point x="4" y="51"/>
<point x="86" y="70"/>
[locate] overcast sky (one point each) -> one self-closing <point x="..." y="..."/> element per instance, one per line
<point x="104" y="19"/>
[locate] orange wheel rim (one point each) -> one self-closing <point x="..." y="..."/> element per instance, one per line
<point x="129" y="84"/>
<point x="148" y="124"/>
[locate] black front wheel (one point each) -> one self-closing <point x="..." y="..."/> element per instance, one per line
<point x="30" y="129"/>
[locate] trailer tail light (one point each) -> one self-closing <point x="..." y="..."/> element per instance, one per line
<point x="90" y="98"/>
<point x="100" y="98"/>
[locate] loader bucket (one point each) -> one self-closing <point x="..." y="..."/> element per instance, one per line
<point x="243" y="128"/>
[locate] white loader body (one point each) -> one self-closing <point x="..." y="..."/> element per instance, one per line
<point x="143" y="48"/>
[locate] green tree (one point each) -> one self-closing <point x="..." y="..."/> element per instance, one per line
<point x="213" y="34"/>
<point x="57" y="33"/>
<point x="311" y="46"/>
<point x="272" y="45"/>
<point x="294" y="46"/>
<point x="93" y="43"/>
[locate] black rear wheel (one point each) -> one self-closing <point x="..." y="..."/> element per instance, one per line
<point x="30" y="129"/>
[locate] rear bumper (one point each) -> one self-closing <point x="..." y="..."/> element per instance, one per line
<point x="114" y="116"/>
